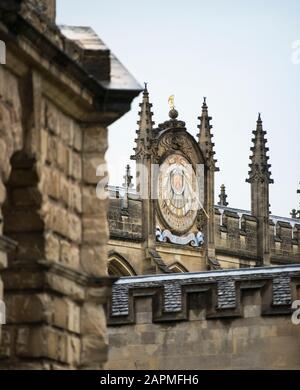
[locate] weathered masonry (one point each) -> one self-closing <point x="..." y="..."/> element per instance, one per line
<point x="59" y="90"/>
<point x="228" y="319"/>
<point x="168" y="235"/>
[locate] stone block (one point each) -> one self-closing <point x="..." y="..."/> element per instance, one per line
<point x="75" y="165"/>
<point x="52" y="247"/>
<point x="52" y="118"/>
<point x="74" y="228"/>
<point x="73" y="350"/>
<point x="46" y="342"/>
<point x="148" y="338"/>
<point x="65" y="287"/>
<point x="66" y="129"/>
<point x="62" y="157"/>
<point x="50" y="182"/>
<point x="90" y="203"/>
<point x="95" y="140"/>
<point x="64" y="190"/>
<point x="51" y="157"/>
<point x="70" y="255"/>
<point x="95" y="229"/>
<point x="91" y="164"/>
<point x="93" y="320"/>
<point x="24" y="309"/>
<point x="63" y="222"/>
<point x="66" y="314"/>
<point x="94" y="350"/>
<point x="94" y="260"/>
<point x="75" y="198"/>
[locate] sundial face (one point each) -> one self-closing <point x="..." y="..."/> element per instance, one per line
<point x="178" y="193"/>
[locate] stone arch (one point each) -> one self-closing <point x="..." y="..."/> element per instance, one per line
<point x="177" y="268"/>
<point x="119" y="266"/>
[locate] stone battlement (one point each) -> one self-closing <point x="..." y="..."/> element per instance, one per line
<point x="217" y="294"/>
<point x="236" y="233"/>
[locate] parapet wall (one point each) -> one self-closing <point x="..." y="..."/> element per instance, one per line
<point x="223" y="319"/>
<point x="236" y="235"/>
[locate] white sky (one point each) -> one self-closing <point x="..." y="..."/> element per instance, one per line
<point x="238" y="53"/>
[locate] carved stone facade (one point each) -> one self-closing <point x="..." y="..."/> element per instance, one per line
<point x="154" y="238"/>
<point x="54" y="114"/>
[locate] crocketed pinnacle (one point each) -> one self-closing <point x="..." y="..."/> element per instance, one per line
<point x="259" y="166"/>
<point x="205" y="136"/>
<point x="145" y="124"/>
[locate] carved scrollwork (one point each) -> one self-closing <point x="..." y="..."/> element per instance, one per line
<point x="174" y="143"/>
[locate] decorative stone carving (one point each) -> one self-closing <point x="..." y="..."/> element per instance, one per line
<point x="193" y="239"/>
<point x="173" y="142"/>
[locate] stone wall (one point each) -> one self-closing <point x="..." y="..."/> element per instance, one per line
<point x="236" y="239"/>
<point x="53" y="136"/>
<point x="215" y="320"/>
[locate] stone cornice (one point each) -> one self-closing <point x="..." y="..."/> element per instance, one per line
<point x="43" y="45"/>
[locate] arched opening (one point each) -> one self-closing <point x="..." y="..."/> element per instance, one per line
<point x="119" y="266"/>
<point x="177" y="268"/>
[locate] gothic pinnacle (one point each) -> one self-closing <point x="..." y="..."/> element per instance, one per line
<point x="223" y="197"/>
<point x="205" y="136"/>
<point x="145" y="124"/>
<point x="259" y="166"/>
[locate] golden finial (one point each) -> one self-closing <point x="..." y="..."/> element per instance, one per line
<point x="171" y="102"/>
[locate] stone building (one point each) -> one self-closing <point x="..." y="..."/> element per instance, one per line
<point x="165" y="312"/>
<point x="60" y="89"/>
<point x="149" y="235"/>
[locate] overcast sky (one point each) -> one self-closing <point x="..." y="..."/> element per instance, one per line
<point x="238" y="53"/>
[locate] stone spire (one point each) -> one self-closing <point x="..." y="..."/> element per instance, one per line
<point x="205" y="136"/>
<point x="223" y="197"/>
<point x="145" y="123"/>
<point x="259" y="166"/>
<point x="260" y="179"/>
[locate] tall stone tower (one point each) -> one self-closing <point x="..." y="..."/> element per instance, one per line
<point x="260" y="178"/>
